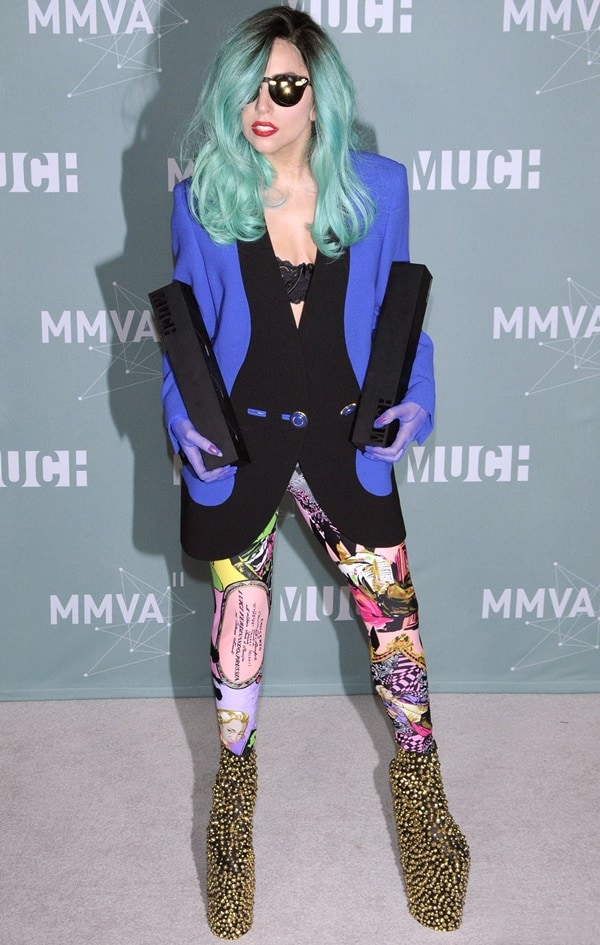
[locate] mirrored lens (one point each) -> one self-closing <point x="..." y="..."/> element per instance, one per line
<point x="286" y="90"/>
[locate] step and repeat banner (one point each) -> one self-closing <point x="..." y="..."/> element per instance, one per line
<point x="493" y="106"/>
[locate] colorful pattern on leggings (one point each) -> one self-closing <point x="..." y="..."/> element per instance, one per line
<point x="242" y="595"/>
<point x="380" y="583"/>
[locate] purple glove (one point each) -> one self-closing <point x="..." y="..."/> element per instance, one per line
<point x="411" y="417"/>
<point x="191" y="442"/>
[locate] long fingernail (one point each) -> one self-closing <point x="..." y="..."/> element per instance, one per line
<point x="213" y="449"/>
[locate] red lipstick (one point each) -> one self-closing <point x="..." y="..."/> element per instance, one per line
<point x="264" y="129"/>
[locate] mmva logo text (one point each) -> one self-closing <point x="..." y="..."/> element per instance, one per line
<point x="569" y="336"/>
<point x="311" y="604"/>
<point x="130" y="626"/>
<point x="529" y="322"/>
<point x="513" y="169"/>
<point x="564" y="619"/>
<point x="542" y="14"/>
<point x="111" y="608"/>
<point x="130" y="16"/>
<point x="468" y="464"/>
<point x="135" y="326"/>
<point x="50" y="172"/>
<point x="32" y="469"/>
<point x="356" y="16"/>
<point x="514" y="603"/>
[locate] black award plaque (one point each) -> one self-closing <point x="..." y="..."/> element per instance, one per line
<point x="197" y="372"/>
<point x="392" y="352"/>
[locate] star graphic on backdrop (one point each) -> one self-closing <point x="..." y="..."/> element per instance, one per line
<point x="575" y="359"/>
<point x="149" y="614"/>
<point x="581" y="63"/>
<point x="125" y="56"/>
<point x="575" y="630"/>
<point x="133" y="357"/>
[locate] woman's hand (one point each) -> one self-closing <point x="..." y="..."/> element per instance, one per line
<point x="411" y="417"/>
<point x="191" y="443"/>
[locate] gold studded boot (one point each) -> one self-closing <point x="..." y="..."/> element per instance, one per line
<point x="229" y="851"/>
<point x="434" y="853"/>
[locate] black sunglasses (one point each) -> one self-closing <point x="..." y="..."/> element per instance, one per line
<point x="286" y="89"/>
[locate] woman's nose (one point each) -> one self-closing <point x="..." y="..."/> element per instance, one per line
<point x="264" y="102"/>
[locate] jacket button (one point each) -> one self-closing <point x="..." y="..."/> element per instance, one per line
<point x="298" y="419"/>
<point x="347" y="410"/>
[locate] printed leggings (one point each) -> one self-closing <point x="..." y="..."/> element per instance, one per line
<point x="380" y="583"/>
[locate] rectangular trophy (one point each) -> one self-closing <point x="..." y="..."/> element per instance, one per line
<point x="392" y="352"/>
<point x="197" y="372"/>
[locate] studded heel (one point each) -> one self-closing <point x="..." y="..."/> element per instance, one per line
<point x="434" y="852"/>
<point x="229" y="851"/>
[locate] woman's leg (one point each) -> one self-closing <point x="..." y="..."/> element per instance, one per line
<point x="380" y="583"/>
<point x="434" y="852"/>
<point x="242" y="599"/>
<point x="242" y="594"/>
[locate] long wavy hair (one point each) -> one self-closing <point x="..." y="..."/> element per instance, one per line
<point x="230" y="178"/>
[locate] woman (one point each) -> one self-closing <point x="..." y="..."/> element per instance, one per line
<point x="286" y="234"/>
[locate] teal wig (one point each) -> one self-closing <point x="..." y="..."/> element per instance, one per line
<point x="230" y="177"/>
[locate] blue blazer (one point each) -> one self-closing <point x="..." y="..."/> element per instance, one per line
<point x="240" y="295"/>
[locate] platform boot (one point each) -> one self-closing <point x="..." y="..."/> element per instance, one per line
<point x="434" y="852"/>
<point x="229" y="850"/>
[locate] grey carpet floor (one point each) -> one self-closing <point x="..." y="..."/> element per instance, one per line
<point x="104" y="807"/>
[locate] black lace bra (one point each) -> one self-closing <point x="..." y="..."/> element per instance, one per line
<point x="296" y="279"/>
